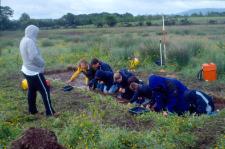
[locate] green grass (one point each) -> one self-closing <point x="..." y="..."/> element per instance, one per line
<point x="99" y="121"/>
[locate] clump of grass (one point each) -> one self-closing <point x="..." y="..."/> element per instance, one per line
<point x="8" y="132"/>
<point x="6" y="43"/>
<point x="180" y="55"/>
<point x="47" y="43"/>
<point x="117" y="138"/>
<point x="81" y="133"/>
<point x="181" y="32"/>
<point x="220" y="142"/>
<point x="196" y="47"/>
<point x="126" y="41"/>
<point x="149" y="49"/>
<point x="219" y="61"/>
<point x="121" y="53"/>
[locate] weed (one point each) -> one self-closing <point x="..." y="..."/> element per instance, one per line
<point x="47" y="43"/>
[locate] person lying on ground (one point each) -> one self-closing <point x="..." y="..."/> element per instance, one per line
<point x="199" y="102"/>
<point x="142" y="94"/>
<point x="122" y="84"/>
<point x="85" y="68"/>
<point x="168" y="94"/>
<point x="32" y="69"/>
<point x="105" y="79"/>
<point x="96" y="64"/>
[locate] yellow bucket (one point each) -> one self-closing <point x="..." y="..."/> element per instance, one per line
<point x="24" y="84"/>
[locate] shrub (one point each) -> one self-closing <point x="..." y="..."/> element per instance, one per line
<point x="122" y="54"/>
<point x="212" y="21"/>
<point x="218" y="59"/>
<point x="196" y="47"/>
<point x="180" y="55"/>
<point x="47" y="43"/>
<point x="149" y="49"/>
<point x="148" y="23"/>
<point x="185" y="21"/>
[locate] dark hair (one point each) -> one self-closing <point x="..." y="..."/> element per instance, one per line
<point x="134" y="86"/>
<point x="94" y="61"/>
<point x="133" y="79"/>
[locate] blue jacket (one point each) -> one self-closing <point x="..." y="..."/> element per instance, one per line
<point x="105" y="76"/>
<point x="105" y="67"/>
<point x="124" y="84"/>
<point x="168" y="94"/>
<point x="143" y="91"/>
<point x="199" y="102"/>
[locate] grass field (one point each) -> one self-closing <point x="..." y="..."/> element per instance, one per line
<point x="91" y="120"/>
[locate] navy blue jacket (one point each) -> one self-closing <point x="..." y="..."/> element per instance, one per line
<point x="168" y="94"/>
<point x="125" y="76"/>
<point x="143" y="91"/>
<point x="105" y="67"/>
<point x="105" y="76"/>
<point x="125" y="84"/>
<point x="197" y="101"/>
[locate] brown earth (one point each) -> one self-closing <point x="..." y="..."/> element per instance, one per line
<point x="37" y="138"/>
<point x="207" y="134"/>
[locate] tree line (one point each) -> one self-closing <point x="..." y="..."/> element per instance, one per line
<point x="70" y="20"/>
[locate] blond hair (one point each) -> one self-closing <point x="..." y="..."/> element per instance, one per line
<point x="117" y="76"/>
<point x="83" y="61"/>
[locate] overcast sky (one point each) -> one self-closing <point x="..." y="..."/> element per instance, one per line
<point x="57" y="8"/>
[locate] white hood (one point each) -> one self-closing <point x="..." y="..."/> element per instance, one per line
<point x="31" y="32"/>
<point x="30" y="53"/>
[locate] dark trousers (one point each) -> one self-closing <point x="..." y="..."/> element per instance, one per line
<point x="38" y="83"/>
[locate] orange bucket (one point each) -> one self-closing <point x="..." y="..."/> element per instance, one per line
<point x="209" y="72"/>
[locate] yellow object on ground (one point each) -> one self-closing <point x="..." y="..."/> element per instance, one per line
<point x="134" y="63"/>
<point x="24" y="84"/>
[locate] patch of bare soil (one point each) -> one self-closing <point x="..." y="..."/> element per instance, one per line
<point x="128" y="121"/>
<point x="115" y="116"/>
<point x="71" y="101"/>
<point x="63" y="76"/>
<point x="207" y="134"/>
<point x="37" y="138"/>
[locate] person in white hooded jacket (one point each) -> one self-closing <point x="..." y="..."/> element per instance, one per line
<point x="32" y="69"/>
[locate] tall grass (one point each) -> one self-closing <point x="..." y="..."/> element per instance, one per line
<point x="47" y="43"/>
<point x="149" y="49"/>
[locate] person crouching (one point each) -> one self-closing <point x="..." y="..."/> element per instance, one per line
<point x="121" y="82"/>
<point x="199" y="102"/>
<point x="105" y="78"/>
<point x="142" y="94"/>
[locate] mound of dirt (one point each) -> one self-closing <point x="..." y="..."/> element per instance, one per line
<point x="37" y="138"/>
